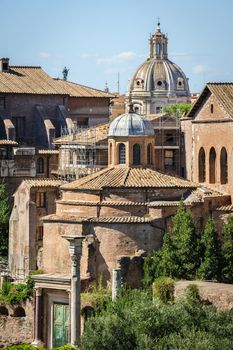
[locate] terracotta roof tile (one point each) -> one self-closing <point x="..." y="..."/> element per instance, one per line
<point x="47" y="182"/>
<point x="34" y="80"/>
<point x="120" y="219"/>
<point x="8" y="142"/>
<point x="122" y="176"/>
<point x="228" y="208"/>
<point x="78" y="90"/>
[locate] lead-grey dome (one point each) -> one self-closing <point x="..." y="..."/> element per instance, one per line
<point x="131" y="124"/>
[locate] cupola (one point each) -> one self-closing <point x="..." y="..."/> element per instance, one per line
<point x="131" y="140"/>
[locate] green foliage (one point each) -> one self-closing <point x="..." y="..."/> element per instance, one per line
<point x="210" y="268"/>
<point x="4" y="221"/>
<point x="12" y="293"/>
<point x="192" y="293"/>
<point x="134" y="321"/>
<point x="179" y="255"/>
<point x="163" y="288"/>
<point x="227" y="250"/>
<point x="31" y="347"/>
<point x="177" y="109"/>
<point x="97" y="296"/>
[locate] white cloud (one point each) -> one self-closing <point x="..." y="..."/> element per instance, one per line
<point x="119" y="58"/>
<point x="199" y="69"/>
<point x="44" y="54"/>
<point x="88" y="55"/>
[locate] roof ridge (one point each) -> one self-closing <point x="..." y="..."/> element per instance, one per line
<point x="126" y="176"/>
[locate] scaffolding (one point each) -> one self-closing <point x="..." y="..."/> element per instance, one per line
<point x="79" y="152"/>
<point x="168" y="141"/>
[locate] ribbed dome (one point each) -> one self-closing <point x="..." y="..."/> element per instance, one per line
<point x="131" y="124"/>
<point x="158" y="75"/>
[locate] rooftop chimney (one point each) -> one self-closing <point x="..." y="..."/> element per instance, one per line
<point x="4" y="64"/>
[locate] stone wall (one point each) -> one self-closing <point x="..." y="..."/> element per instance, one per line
<point x="218" y="294"/>
<point x="16" y="330"/>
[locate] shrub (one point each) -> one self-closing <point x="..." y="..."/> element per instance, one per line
<point x="192" y="292"/>
<point x="12" y="293"/>
<point x="163" y="289"/>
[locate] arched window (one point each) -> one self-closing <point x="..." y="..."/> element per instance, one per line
<point x="110" y="153"/>
<point x="136" y="154"/>
<point x="40" y="166"/>
<point x="149" y="153"/>
<point x="19" y="312"/>
<point x="201" y="166"/>
<point x="121" y="153"/>
<point x="212" y="166"/>
<point x="223" y="166"/>
<point x="3" y="311"/>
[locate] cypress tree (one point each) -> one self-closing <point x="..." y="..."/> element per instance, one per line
<point x="210" y="267"/>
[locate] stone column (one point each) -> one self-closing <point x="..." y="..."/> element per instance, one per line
<point x="38" y="325"/>
<point x="75" y="250"/>
<point x="116" y="282"/>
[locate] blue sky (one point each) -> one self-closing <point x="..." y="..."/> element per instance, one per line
<point x="96" y="39"/>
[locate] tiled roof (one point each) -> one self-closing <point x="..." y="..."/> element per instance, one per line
<point x="34" y="80"/>
<point x="122" y="176"/>
<point x="78" y="90"/>
<point x="228" y="208"/>
<point x="222" y="91"/>
<point x="43" y="183"/>
<point x="48" y="151"/>
<point x="8" y="142"/>
<point x="29" y="80"/>
<point x="116" y="219"/>
<point x="89" y="135"/>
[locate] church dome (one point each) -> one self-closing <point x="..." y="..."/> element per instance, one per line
<point x="160" y="75"/>
<point x="158" y="82"/>
<point x="131" y="124"/>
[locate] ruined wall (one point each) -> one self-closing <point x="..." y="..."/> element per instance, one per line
<point x="16" y="330"/>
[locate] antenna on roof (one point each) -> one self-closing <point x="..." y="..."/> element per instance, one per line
<point x="118" y="83"/>
<point x="65" y="73"/>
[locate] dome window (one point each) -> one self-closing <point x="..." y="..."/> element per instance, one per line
<point x="121" y="153"/>
<point x="180" y="83"/>
<point x="159" y="83"/>
<point x="138" y="83"/>
<point x="136" y="154"/>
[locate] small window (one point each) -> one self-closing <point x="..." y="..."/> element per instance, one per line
<point x="159" y="109"/>
<point x="40" y="233"/>
<point x="40" y="199"/>
<point x="121" y="153"/>
<point x="169" y="158"/>
<point x="159" y="83"/>
<point x="40" y="166"/>
<point x="138" y="83"/>
<point x="211" y="108"/>
<point x="180" y="83"/>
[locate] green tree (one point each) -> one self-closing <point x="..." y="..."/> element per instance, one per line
<point x="179" y="255"/>
<point x="177" y="109"/>
<point x="227" y="250"/>
<point x="210" y="267"/>
<point x="186" y="243"/>
<point x="4" y="221"/>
